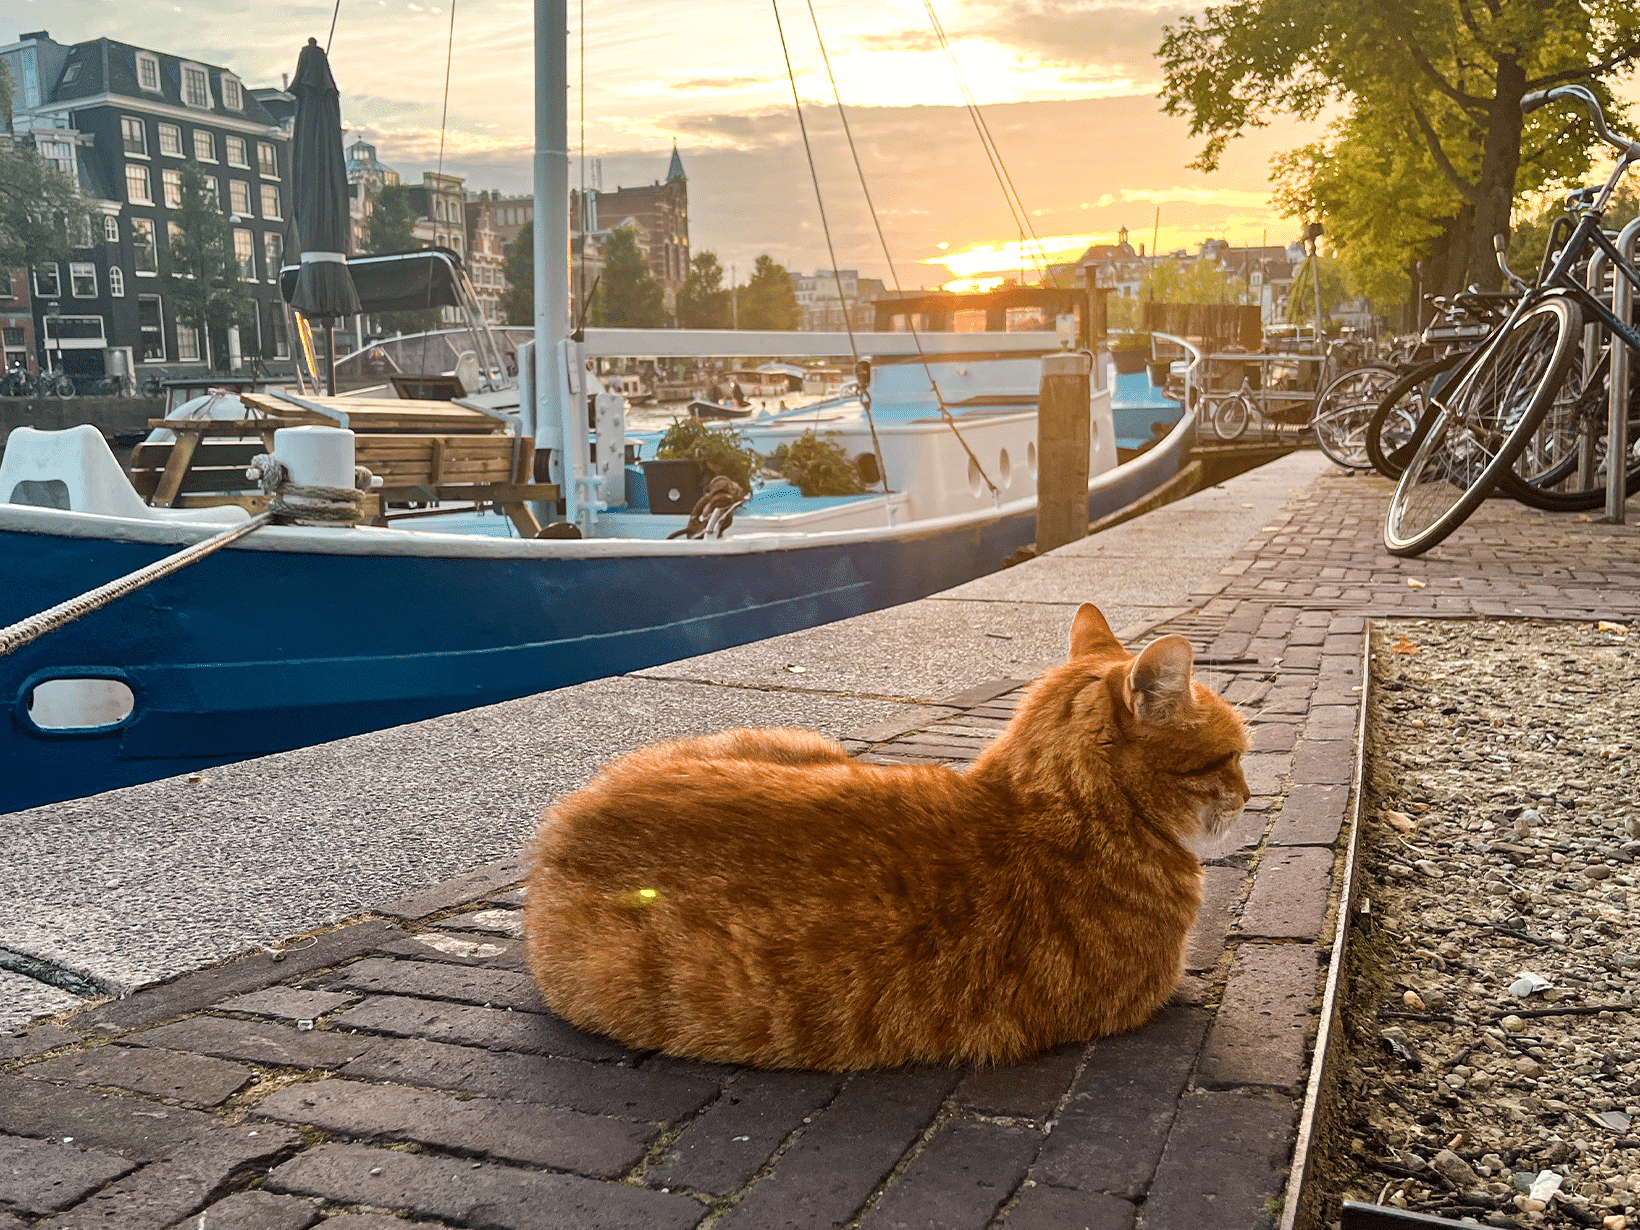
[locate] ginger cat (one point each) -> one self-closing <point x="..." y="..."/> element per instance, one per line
<point x="757" y="897"/>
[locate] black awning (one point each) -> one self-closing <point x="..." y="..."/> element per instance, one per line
<point x="399" y="282"/>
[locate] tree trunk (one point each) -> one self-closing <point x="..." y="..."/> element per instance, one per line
<point x="1447" y="264"/>
<point x="1500" y="160"/>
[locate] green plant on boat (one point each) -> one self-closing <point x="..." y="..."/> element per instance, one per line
<point x="818" y="466"/>
<point x="720" y="450"/>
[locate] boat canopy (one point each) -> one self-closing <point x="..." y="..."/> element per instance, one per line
<point x="399" y="281"/>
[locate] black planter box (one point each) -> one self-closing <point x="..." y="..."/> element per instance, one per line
<point x="674" y="484"/>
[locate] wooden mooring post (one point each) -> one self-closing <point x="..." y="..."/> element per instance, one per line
<point x="1062" y="451"/>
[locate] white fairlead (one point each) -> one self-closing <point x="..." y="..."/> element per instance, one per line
<point x="313" y="258"/>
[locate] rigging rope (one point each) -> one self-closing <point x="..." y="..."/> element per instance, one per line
<point x="334" y="14"/>
<point x="888" y="257"/>
<point x="449" y="54"/>
<point x="848" y="325"/>
<point x="1016" y="203"/>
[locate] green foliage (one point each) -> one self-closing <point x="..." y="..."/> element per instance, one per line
<point x="392" y="224"/>
<point x="1334" y="290"/>
<point x="628" y="295"/>
<point x="770" y="298"/>
<point x="198" y="264"/>
<point x="818" y="466"/>
<point x="1433" y="149"/>
<point x="1531" y="234"/>
<point x="518" y="300"/>
<point x="43" y="216"/>
<point x="720" y="450"/>
<point x="1200" y="281"/>
<point x="703" y="303"/>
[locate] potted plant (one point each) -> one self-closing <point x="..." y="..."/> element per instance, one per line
<point x="688" y="457"/>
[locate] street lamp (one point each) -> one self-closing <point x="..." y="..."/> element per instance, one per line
<point x="54" y="318"/>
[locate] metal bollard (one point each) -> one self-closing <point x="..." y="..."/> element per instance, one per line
<point x="1617" y="424"/>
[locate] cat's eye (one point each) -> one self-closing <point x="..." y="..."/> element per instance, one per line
<point x="1205" y="769"/>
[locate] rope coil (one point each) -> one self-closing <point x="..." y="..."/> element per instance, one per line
<point x="302" y="504"/>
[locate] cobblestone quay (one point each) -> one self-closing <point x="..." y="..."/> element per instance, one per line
<point x="401" y="1066"/>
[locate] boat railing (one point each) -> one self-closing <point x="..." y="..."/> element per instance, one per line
<point x="1193" y="370"/>
<point x="748" y="343"/>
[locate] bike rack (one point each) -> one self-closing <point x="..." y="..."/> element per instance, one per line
<point x="1589" y="439"/>
<point x="1617" y="424"/>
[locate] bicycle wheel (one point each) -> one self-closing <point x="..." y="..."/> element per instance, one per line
<point x="1481" y="427"/>
<point x="1390" y="441"/>
<point x="1564" y="466"/>
<point x="62" y="387"/>
<point x="1343" y="410"/>
<point x="1230" y="417"/>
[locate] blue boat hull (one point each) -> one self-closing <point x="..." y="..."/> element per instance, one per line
<point x="255" y="651"/>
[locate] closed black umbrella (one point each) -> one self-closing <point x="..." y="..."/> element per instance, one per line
<point x="319" y="198"/>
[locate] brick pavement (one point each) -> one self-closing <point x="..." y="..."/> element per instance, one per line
<point x="402" y="1066"/>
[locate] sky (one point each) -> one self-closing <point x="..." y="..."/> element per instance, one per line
<point x="1066" y="87"/>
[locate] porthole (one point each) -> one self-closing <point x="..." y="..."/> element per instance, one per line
<point x="1005" y="469"/>
<point x="976" y="480"/>
<point x="1030" y="460"/>
<point x="79" y="704"/>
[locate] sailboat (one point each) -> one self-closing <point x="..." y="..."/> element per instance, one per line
<point x="296" y="635"/>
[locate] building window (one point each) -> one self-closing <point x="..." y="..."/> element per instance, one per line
<point x="11" y="336"/>
<point x="144" y="256"/>
<point x="237" y="154"/>
<point x="136" y="184"/>
<point x="273" y="249"/>
<point x="82" y="279"/>
<point x="267" y="159"/>
<point x="171" y="179"/>
<point x="135" y="135"/>
<point x="270" y="201"/>
<point x="148" y="72"/>
<point x="58" y="155"/>
<point x="233" y="97"/>
<point x="151" y="328"/>
<point x="111" y="228"/>
<point x="244" y="251"/>
<point x="196" y="86"/>
<point x="187" y="344"/>
<point x="213" y="197"/>
<point x="239" y="197"/>
<point x="204" y="145"/>
<point x="170" y="140"/>
<point x="47" y="283"/>
<point x="116" y="281"/>
<point x="173" y="232"/>
<point x="281" y="340"/>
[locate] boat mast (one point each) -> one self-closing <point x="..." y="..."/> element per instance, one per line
<point x="551" y="225"/>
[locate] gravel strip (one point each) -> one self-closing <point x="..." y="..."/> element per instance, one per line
<point x="1492" y="1070"/>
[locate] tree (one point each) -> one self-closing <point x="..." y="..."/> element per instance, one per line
<point x="392" y="223"/>
<point x="43" y="216"/>
<point x="1171" y="281"/>
<point x="770" y="298"/>
<point x="703" y="303"/>
<point x="201" y="272"/>
<point x="518" y="300"/>
<point x="1445" y="77"/>
<point x="1335" y="289"/>
<point x="628" y="296"/>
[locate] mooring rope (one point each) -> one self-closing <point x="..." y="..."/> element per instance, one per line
<point x="288" y="504"/>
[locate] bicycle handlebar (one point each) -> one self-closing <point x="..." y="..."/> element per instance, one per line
<point x="1541" y="98"/>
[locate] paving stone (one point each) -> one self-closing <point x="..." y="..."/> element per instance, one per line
<point x="198" y="991"/>
<point x="475" y="885"/>
<point x="1325" y="762"/>
<point x="1244" y="834"/>
<point x="1311" y="815"/>
<point x="492" y="988"/>
<point x="727" y="1144"/>
<point x="257" y="1211"/>
<point x="376" y="1221"/>
<point x="1332" y="722"/>
<point x="288" y="1003"/>
<point x="1274" y="737"/>
<point x="501" y="922"/>
<point x="655" y="1096"/>
<point x="534" y="1033"/>
<point x="1263" y="1021"/>
<point x="137" y="1130"/>
<point x="182" y="1183"/>
<point x="959" y="1179"/>
<point x="478" y="1193"/>
<point x="37" y="1041"/>
<point x="1226" y="1159"/>
<point x="256" y="1042"/>
<point x="1221" y="894"/>
<point x="835" y="1165"/>
<point x="1111" y="1133"/>
<point x="1030" y="1089"/>
<point x="1290" y="893"/>
<point x="511" y="1131"/>
<point x="1266" y="770"/>
<point x="483" y="951"/>
<point x="165" y="1074"/>
<point x="1064" y="1208"/>
<point x="42" y="1176"/>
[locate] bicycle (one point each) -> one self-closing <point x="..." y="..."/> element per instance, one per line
<point x="1500" y="397"/>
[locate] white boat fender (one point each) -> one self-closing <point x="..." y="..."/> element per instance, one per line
<point x="310" y="477"/>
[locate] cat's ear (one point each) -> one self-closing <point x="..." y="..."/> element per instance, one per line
<point x="1158" y="688"/>
<point x="1090" y="634"/>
